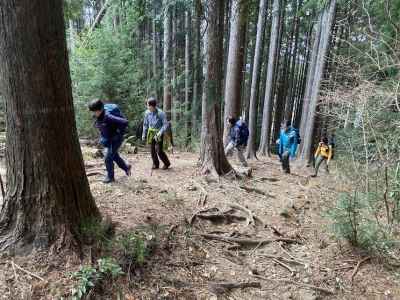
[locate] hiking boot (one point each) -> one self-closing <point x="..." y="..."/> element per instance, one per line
<point x="155" y="167"/>
<point x="108" y="180"/>
<point x="165" y="167"/>
<point x="314" y="175"/>
<point x="128" y="170"/>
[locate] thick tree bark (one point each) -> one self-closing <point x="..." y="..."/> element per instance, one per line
<point x="212" y="156"/>
<point x="327" y="21"/>
<point x="167" y="106"/>
<point x="234" y="73"/>
<point x="255" y="82"/>
<point x="48" y="193"/>
<point x="264" y="148"/>
<point x="188" y="76"/>
<point x="197" y="69"/>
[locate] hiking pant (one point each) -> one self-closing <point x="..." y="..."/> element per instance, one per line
<point x="285" y="159"/>
<point x="318" y="161"/>
<point x="157" y="151"/>
<point x="113" y="156"/>
<point x="240" y="148"/>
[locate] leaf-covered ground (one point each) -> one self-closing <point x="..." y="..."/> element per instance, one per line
<point x="268" y="230"/>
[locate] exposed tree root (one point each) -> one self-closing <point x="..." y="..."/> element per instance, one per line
<point x="251" y="219"/>
<point x="305" y="285"/>
<point x="247" y="242"/>
<point x="219" y="288"/>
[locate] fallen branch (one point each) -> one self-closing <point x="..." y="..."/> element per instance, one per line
<point x="25" y="271"/>
<point x="247" y="242"/>
<point x="358" y="267"/>
<point x="3" y="193"/>
<point x="288" y="281"/>
<point x="223" y="287"/>
<point x="94" y="173"/>
<point x="200" y="212"/>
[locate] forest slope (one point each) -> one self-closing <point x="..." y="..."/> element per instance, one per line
<point x="287" y="207"/>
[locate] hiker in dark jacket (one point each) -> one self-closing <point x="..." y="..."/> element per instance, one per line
<point x="155" y="125"/>
<point x="112" y="126"/>
<point x="238" y="136"/>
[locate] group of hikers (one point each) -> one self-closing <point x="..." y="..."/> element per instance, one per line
<point x="112" y="126"/>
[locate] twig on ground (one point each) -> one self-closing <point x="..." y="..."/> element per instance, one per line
<point x="15" y="272"/>
<point x="280" y="258"/>
<point x="288" y="281"/>
<point x="222" y="287"/>
<point x="254" y="190"/>
<point x="203" y="194"/>
<point x="247" y="242"/>
<point x="291" y="270"/>
<point x="358" y="267"/>
<point x="26" y="271"/>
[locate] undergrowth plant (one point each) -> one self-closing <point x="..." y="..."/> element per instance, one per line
<point x="89" y="276"/>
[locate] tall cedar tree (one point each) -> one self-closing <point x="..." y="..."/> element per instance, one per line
<point x="264" y="148"/>
<point x="234" y="72"/>
<point x="47" y="190"/>
<point x="212" y="156"/>
<point x="167" y="61"/>
<point x="255" y="82"/>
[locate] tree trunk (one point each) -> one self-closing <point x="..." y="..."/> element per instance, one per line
<point x="188" y="75"/>
<point x="234" y="73"/>
<point x="167" y="106"/>
<point x="48" y="194"/>
<point x="264" y="148"/>
<point x="174" y="94"/>
<point x="212" y="156"/>
<point x="197" y="69"/>
<point x="255" y="82"/>
<point x="326" y="27"/>
<point x="154" y="55"/>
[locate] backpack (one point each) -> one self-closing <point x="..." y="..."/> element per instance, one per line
<point x="297" y="135"/>
<point x="113" y="109"/>
<point x="243" y="133"/>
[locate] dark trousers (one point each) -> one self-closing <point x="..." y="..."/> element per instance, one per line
<point x="112" y="156"/>
<point x="158" y="152"/>
<point x="285" y="159"/>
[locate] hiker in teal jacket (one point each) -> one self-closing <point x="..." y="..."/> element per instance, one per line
<point x="288" y="141"/>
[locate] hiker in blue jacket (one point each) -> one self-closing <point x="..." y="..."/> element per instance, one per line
<point x="112" y="125"/>
<point x="288" y="141"/>
<point x="238" y="136"/>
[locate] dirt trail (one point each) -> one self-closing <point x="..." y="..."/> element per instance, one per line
<point x="307" y="263"/>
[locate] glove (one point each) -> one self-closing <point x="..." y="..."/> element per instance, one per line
<point x="157" y="138"/>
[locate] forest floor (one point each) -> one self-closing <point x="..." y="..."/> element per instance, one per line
<point x="268" y="231"/>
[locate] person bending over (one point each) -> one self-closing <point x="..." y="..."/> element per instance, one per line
<point x="322" y="154"/>
<point x="112" y="125"/>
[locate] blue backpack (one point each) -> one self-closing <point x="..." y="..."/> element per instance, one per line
<point x="114" y="110"/>
<point x="243" y="132"/>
